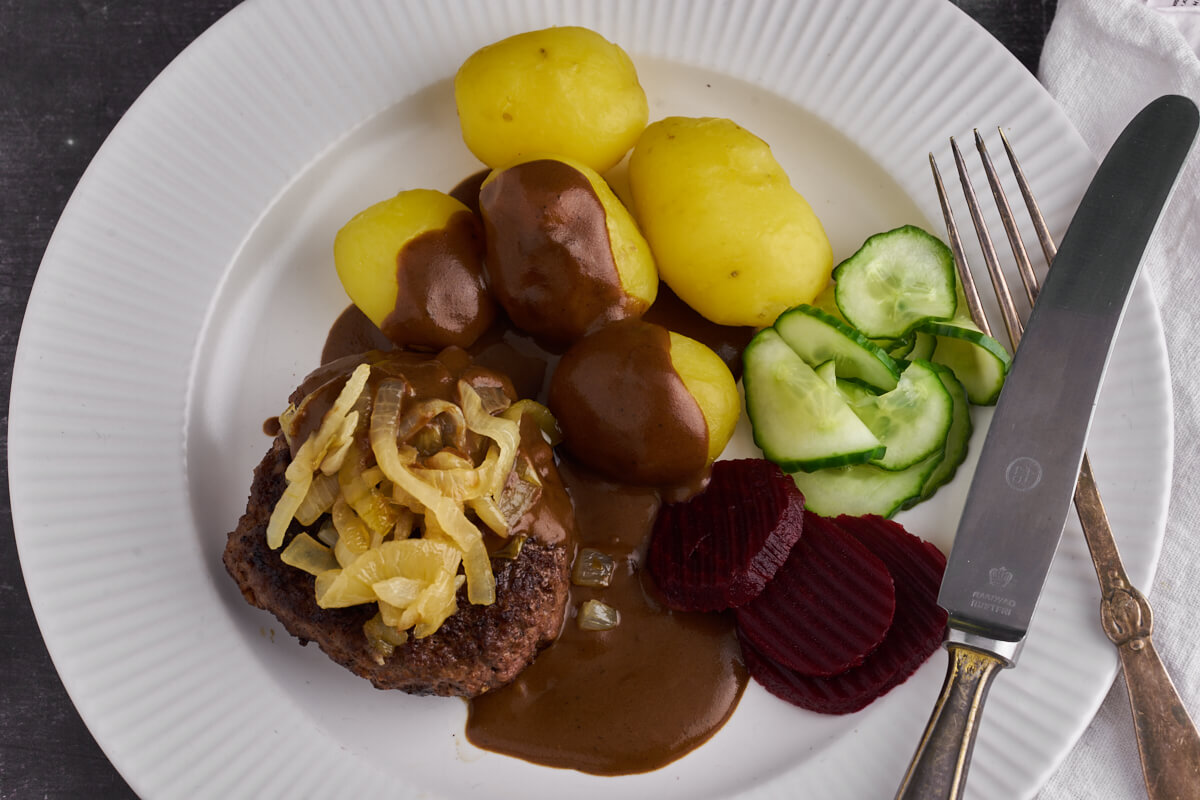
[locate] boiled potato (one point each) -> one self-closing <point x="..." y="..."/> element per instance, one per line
<point x="709" y="380"/>
<point x="567" y="91"/>
<point x="644" y="405"/>
<point x="730" y="235"/>
<point x="413" y="265"/>
<point x="564" y="256"/>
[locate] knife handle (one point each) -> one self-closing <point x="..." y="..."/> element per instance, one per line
<point x="939" y="767"/>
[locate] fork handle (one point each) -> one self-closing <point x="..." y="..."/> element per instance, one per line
<point x="1166" y="736"/>
<point x="1167" y="740"/>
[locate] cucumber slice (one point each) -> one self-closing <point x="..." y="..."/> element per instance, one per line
<point x="896" y="281"/>
<point x="818" y="337"/>
<point x="827" y="372"/>
<point x="864" y="488"/>
<point x="923" y="344"/>
<point x="800" y="422"/>
<point x="956" y="438"/>
<point x="871" y="489"/>
<point x="912" y="420"/>
<point x="898" y="348"/>
<point x="856" y="393"/>
<point x="978" y="360"/>
<point x="921" y="407"/>
<point x="852" y="390"/>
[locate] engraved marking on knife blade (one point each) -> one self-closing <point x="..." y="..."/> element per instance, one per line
<point x="1023" y="473"/>
<point x="993" y="603"/>
<point x="1000" y="576"/>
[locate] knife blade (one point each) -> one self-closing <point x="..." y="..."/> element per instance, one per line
<point x="1022" y="488"/>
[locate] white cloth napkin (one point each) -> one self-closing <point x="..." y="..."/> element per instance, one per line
<point x="1103" y="61"/>
<point x="1183" y="14"/>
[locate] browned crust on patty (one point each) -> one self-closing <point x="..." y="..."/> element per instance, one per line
<point x="477" y="649"/>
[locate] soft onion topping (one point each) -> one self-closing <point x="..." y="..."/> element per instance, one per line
<point x="403" y="503"/>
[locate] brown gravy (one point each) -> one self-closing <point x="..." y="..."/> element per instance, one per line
<point x="628" y="700"/>
<point x="443" y="299"/>
<point x="352" y="333"/>
<point x="466" y="191"/>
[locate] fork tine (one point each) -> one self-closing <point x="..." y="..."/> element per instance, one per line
<point x="960" y="258"/>
<point x="1049" y="249"/>
<point x="1024" y="268"/>
<point x="1012" y="322"/>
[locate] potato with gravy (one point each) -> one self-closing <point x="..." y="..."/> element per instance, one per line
<point x="564" y="256"/>
<point x="413" y="264"/>
<point x="644" y="405"/>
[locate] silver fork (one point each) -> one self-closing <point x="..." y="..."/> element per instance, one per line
<point x="1166" y="736"/>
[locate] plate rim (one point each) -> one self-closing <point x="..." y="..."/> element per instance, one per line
<point x="25" y="360"/>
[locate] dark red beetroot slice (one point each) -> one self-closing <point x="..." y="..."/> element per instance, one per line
<point x="719" y="549"/>
<point x="917" y="628"/>
<point x="829" y="605"/>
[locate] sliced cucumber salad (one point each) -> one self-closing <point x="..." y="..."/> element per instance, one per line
<point x="865" y="395"/>
<point x="867" y="489"/>
<point x="896" y="281"/>
<point x="911" y="420"/>
<point x="804" y="423"/>
<point x="978" y="360"/>
<point x="818" y="337"/>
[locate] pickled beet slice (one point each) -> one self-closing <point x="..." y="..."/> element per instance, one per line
<point x="828" y="606"/>
<point x="917" y="627"/>
<point x="720" y="548"/>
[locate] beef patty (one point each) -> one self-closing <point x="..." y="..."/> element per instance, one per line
<point x="476" y="649"/>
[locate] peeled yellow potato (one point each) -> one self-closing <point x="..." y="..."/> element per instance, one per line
<point x="566" y="90"/>
<point x="414" y="265"/>
<point x="564" y="255"/>
<point x="711" y="383"/>
<point x="730" y="235"/>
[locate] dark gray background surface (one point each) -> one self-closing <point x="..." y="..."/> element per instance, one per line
<point x="68" y="70"/>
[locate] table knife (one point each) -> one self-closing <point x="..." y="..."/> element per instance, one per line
<point x="1021" y="492"/>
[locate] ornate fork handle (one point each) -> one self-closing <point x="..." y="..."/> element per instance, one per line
<point x="1167" y="740"/>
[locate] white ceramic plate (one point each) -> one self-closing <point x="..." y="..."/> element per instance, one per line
<point x="189" y="286"/>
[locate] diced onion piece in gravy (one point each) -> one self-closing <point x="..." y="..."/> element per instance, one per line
<point x="593" y="567"/>
<point x="597" y="616"/>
